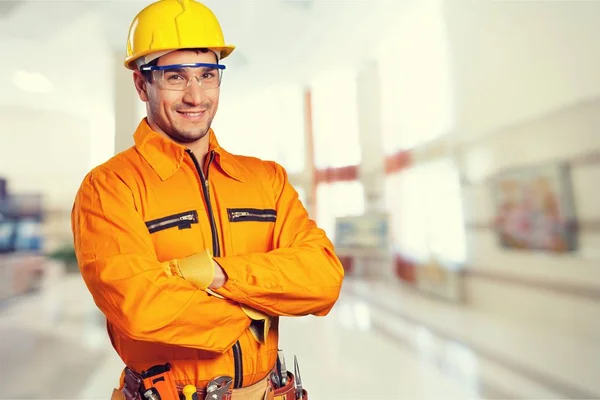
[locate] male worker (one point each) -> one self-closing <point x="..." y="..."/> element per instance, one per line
<point x="191" y="252"/>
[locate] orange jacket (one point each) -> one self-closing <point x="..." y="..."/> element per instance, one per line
<point x="142" y="223"/>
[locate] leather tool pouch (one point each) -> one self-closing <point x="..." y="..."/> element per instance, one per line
<point x="132" y="385"/>
<point x="288" y="392"/>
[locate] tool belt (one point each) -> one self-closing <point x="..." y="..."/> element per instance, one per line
<point x="157" y="384"/>
<point x="287" y="392"/>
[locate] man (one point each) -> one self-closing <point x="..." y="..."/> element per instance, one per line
<point x="193" y="253"/>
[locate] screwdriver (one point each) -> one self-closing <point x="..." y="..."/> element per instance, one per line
<point x="283" y="370"/>
<point x="150" y="395"/>
<point x="189" y="392"/>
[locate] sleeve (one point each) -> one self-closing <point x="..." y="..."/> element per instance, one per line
<point x="301" y="276"/>
<point x="141" y="296"/>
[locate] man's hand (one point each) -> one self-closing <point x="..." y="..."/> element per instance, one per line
<point x="220" y="277"/>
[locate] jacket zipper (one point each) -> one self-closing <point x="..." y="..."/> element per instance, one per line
<point x="206" y="193"/>
<point x="237" y="350"/>
<point x="238" y="214"/>
<point x="237" y="361"/>
<point x="181" y="220"/>
<point x="252" y="215"/>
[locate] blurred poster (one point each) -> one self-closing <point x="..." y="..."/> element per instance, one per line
<point x="3" y="189"/>
<point x="7" y="235"/>
<point x="21" y="252"/>
<point x="21" y="223"/>
<point x="534" y="209"/>
<point x="367" y="234"/>
<point x="440" y="280"/>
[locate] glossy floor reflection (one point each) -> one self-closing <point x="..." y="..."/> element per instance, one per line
<point x="396" y="344"/>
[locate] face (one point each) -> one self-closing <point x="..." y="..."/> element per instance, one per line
<point x="185" y="116"/>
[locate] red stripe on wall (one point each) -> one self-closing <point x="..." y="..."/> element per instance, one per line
<point x="341" y="174"/>
<point x="397" y="161"/>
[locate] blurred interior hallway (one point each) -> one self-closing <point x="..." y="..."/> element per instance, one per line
<point x="381" y="341"/>
<point x="431" y="112"/>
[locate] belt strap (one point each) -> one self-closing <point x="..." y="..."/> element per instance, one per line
<point x="132" y="387"/>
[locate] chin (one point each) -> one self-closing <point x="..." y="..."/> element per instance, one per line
<point x="190" y="137"/>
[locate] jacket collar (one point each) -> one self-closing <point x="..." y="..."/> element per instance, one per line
<point x="166" y="156"/>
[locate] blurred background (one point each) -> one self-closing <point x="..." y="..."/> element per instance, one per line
<point x="450" y="149"/>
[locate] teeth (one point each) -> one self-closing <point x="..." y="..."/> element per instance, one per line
<point x="193" y="114"/>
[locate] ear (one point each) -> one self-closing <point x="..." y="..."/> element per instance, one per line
<point x="140" y="85"/>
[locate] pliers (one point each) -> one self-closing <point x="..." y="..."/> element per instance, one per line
<point x="298" y="382"/>
<point x="218" y="388"/>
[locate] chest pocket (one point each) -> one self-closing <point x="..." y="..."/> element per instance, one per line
<point x="251" y="229"/>
<point x="176" y="235"/>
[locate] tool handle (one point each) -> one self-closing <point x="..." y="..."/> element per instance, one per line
<point x="189" y="392"/>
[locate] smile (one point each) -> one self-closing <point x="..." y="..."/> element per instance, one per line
<point x="189" y="114"/>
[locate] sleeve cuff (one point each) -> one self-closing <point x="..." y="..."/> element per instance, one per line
<point x="260" y="325"/>
<point x="197" y="269"/>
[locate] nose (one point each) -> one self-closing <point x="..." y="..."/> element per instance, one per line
<point x="194" y="94"/>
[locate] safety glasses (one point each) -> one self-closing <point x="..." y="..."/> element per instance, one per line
<point x="180" y="76"/>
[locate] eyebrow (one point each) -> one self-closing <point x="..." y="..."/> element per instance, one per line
<point x="177" y="70"/>
<point x="201" y="69"/>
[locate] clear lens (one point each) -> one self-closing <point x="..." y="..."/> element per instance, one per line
<point x="180" y="78"/>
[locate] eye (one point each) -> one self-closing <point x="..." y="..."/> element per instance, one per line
<point x="174" y="77"/>
<point x="209" y="75"/>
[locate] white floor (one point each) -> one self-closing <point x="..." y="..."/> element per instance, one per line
<point x="381" y="341"/>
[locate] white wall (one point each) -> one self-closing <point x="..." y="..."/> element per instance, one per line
<point x="516" y="84"/>
<point x="527" y="91"/>
<point x="514" y="61"/>
<point x="128" y="108"/>
<point x="49" y="139"/>
<point x="49" y="153"/>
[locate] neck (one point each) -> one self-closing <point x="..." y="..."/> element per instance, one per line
<point x="199" y="147"/>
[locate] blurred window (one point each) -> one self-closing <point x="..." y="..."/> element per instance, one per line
<point x="338" y="199"/>
<point x="335" y="119"/>
<point x="267" y="124"/>
<point x="427" y="216"/>
<point x="416" y="97"/>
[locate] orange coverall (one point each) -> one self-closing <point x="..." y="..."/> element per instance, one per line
<point x="144" y="220"/>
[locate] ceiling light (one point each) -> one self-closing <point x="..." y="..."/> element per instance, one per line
<point x="33" y="82"/>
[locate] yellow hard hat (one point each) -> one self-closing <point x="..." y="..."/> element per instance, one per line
<point x="168" y="25"/>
